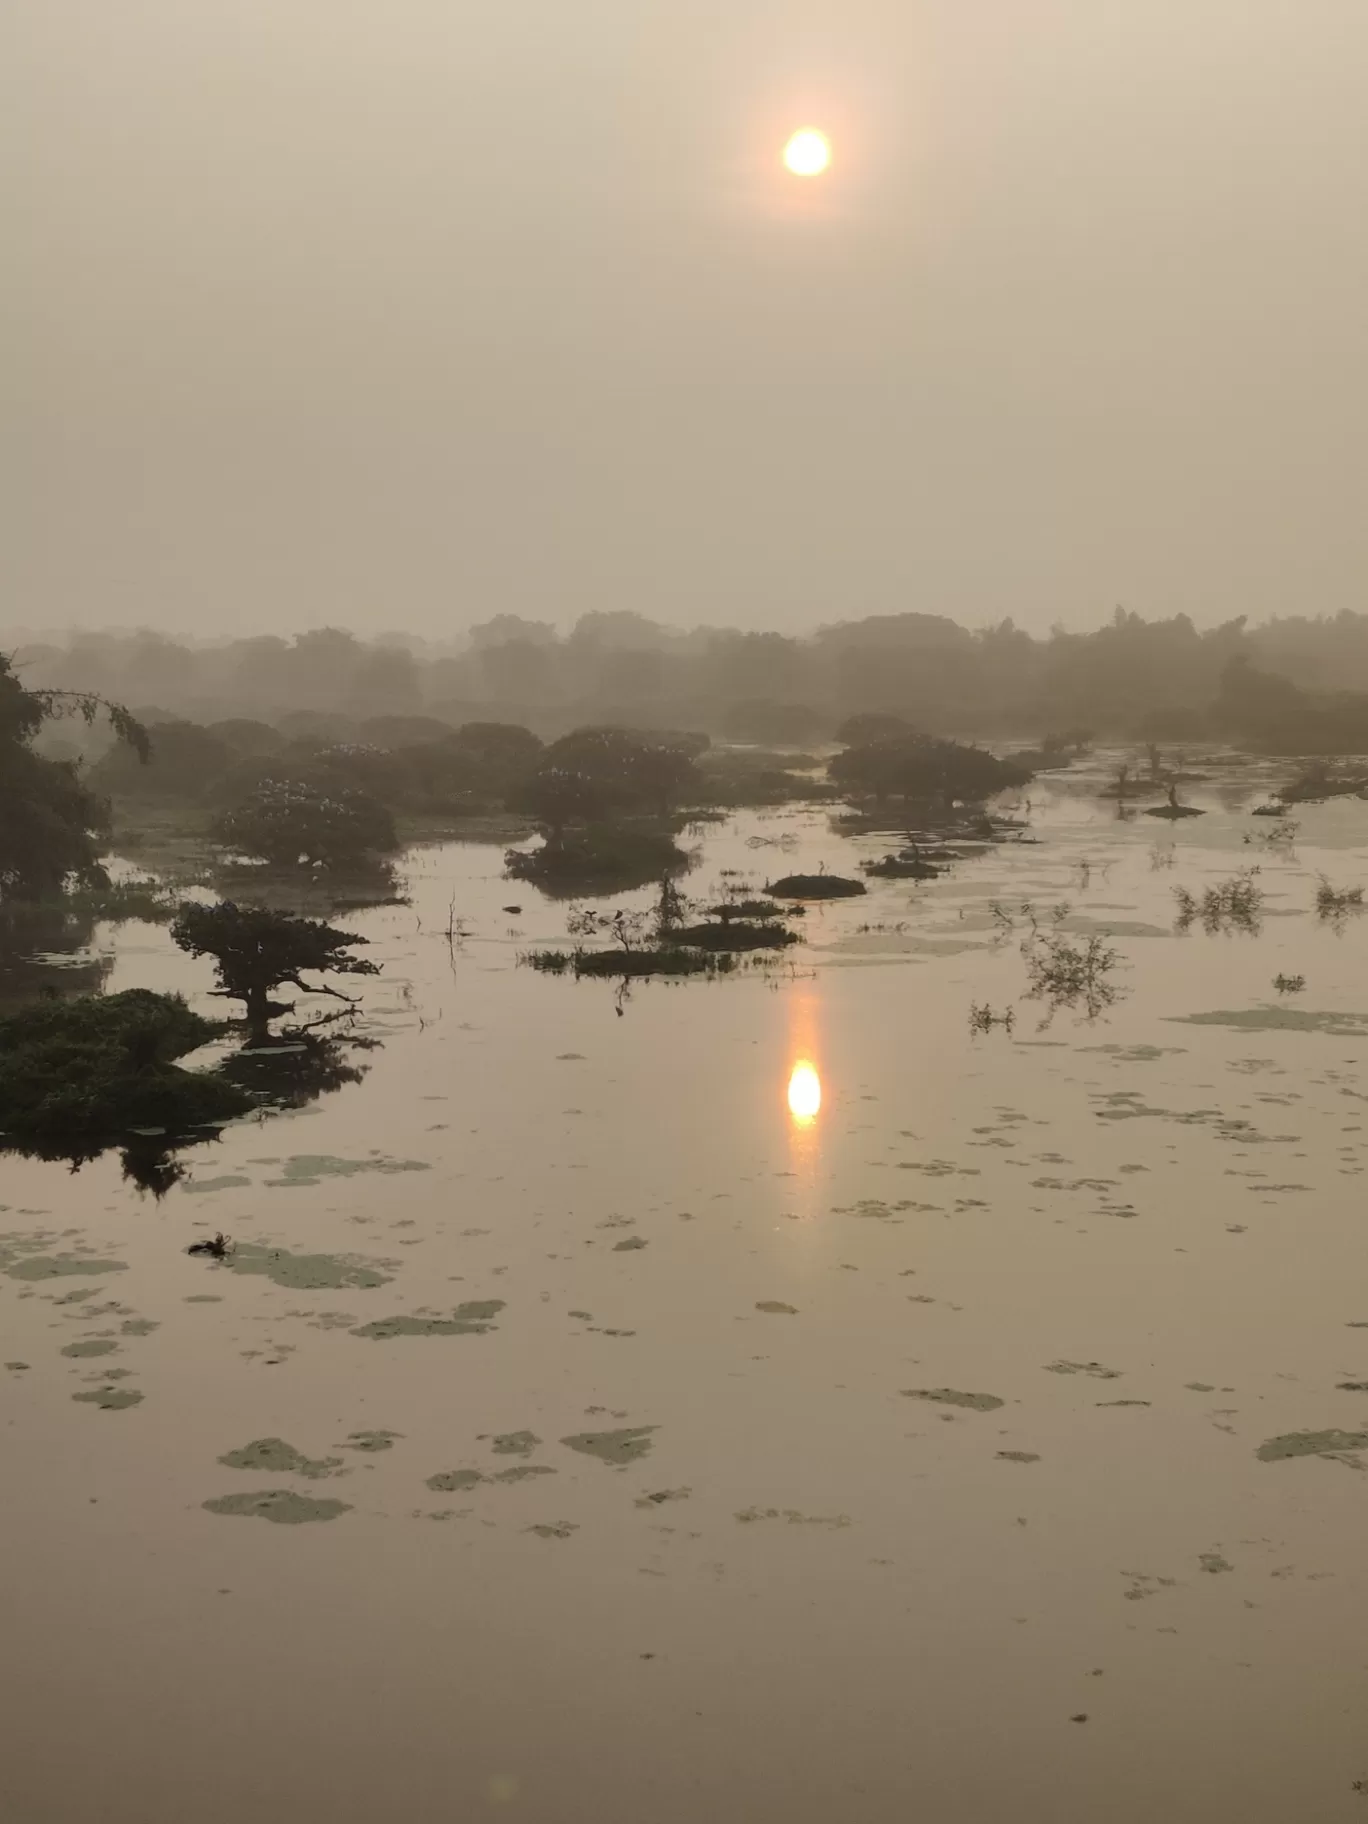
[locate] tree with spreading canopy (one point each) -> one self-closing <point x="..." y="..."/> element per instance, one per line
<point x="256" y="950"/>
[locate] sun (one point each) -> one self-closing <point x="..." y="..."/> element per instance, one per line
<point x="808" y="153"/>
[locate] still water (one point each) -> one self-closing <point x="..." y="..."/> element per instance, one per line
<point x="752" y="1399"/>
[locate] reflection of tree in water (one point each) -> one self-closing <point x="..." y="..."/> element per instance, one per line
<point x="297" y="1067"/>
<point x="290" y="1072"/>
<point x="306" y="895"/>
<point x="45" y="950"/>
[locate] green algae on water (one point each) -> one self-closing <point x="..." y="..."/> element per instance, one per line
<point x="93" y="1346"/>
<point x="204" y="1186"/>
<point x="304" y="1272"/>
<point x="1310" y="1444"/>
<point x="370" y="1440"/>
<point x="280" y="1458"/>
<point x="471" y="1319"/>
<point x="450" y="1481"/>
<point x="311" y="1168"/>
<point x="515" y="1443"/>
<point x="1280" y="1019"/>
<point x="110" y="1399"/>
<point x="776" y="1307"/>
<point x="62" y="1266"/>
<point x="559" y="1529"/>
<point x="615" y="1448"/>
<point x="951" y="1396"/>
<point x="281" y="1506"/>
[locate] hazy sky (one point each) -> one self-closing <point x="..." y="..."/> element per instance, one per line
<point x="400" y="313"/>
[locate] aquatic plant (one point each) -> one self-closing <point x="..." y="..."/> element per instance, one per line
<point x="1231" y="905"/>
<point x="983" y="1019"/>
<point x="1066" y="974"/>
<point x="1335" y="905"/>
<point x="1289" y="984"/>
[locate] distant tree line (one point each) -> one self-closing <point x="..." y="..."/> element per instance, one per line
<point x="1295" y="684"/>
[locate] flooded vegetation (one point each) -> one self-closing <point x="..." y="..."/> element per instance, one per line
<point x="651" y="1196"/>
<point x="792" y="1255"/>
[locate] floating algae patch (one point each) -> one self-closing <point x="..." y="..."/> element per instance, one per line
<point x="1213" y="1563"/>
<point x="515" y="1443"/>
<point x="305" y="1272"/>
<point x="62" y="1266"/>
<point x="749" y="1515"/>
<point x="450" y="1481"/>
<point x="139" y="1326"/>
<point x="776" y="1307"/>
<point x="280" y="1458"/>
<point x="629" y="1246"/>
<point x="472" y="1319"/>
<point x="370" y="1440"/>
<point x="1280" y="1019"/>
<point x="616" y="1448"/>
<point x="311" y="1168"/>
<point x="281" y="1506"/>
<point x="1019" y="1456"/>
<point x="951" y="1396"/>
<point x="110" y="1399"/>
<point x="522" y="1472"/>
<point x="1310" y="1444"/>
<point x="1094" y="1369"/>
<point x="93" y="1346"/>
<point x="662" y="1495"/>
<point x="202" y="1187"/>
<point x="559" y="1529"/>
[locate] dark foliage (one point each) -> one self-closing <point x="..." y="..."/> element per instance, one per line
<point x="922" y="769"/>
<point x="816" y="886"/>
<point x="77" y="1076"/>
<point x="297" y="825"/>
<point x="256" y="951"/>
<point x="599" y="858"/>
<point x="51" y="824"/>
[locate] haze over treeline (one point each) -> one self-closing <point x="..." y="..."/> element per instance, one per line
<point x="1292" y="685"/>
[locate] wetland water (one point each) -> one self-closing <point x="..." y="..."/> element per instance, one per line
<point x="595" y="1422"/>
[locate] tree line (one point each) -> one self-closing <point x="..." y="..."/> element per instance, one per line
<point x="1295" y="684"/>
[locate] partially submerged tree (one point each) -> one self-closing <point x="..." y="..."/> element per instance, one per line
<point x="293" y="824"/>
<point x="256" y="951"/>
<point x="51" y="824"/>
<point x="596" y="773"/>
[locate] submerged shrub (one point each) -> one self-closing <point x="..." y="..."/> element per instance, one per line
<point x="1231" y="905"/>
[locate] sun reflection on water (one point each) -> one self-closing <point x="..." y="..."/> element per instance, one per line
<point x="804" y="1093"/>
